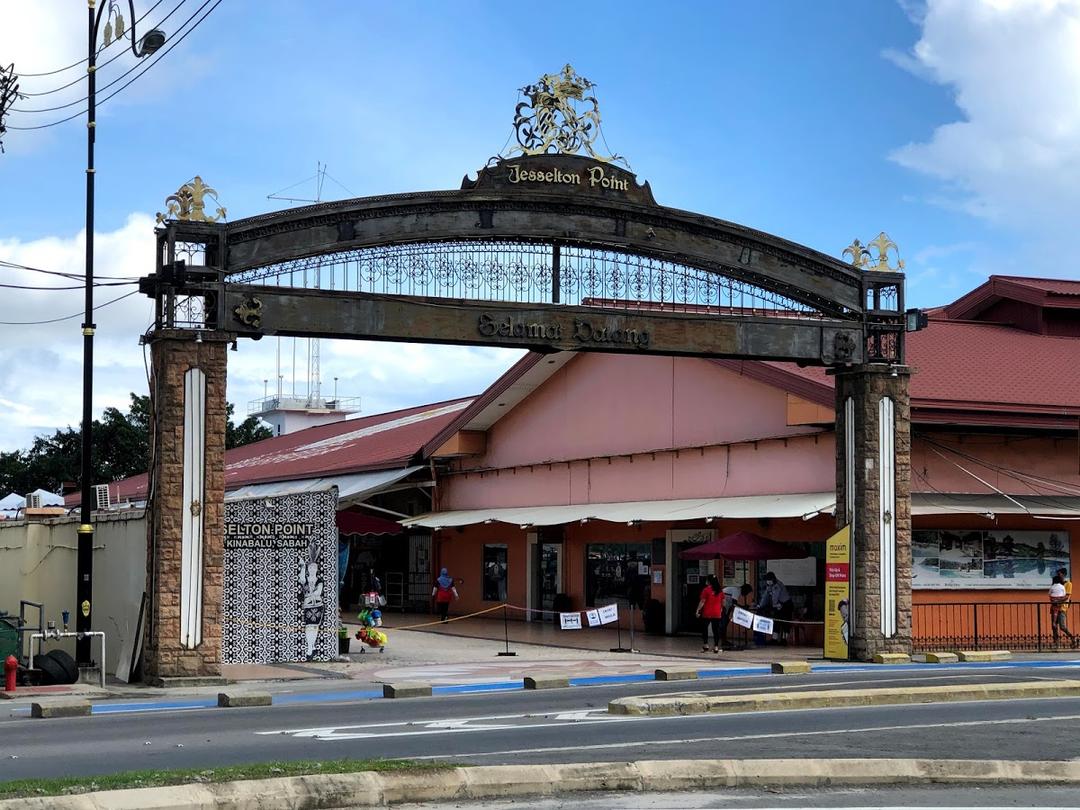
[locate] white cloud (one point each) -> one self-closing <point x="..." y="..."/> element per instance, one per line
<point x="46" y="35"/>
<point x="41" y="365"/>
<point x="1014" y="69"/>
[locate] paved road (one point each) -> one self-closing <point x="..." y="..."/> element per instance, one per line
<point x="982" y="797"/>
<point x="558" y="725"/>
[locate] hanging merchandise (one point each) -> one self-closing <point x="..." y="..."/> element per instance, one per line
<point x="370" y="619"/>
<point x="372" y="637"/>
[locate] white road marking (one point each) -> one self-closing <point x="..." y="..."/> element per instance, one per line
<point x="579" y="717"/>
<point x="447" y="723"/>
<point x="741" y="737"/>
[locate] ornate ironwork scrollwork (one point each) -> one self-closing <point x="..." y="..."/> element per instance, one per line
<point x="559" y="117"/>
<point x="843" y="347"/>
<point x="249" y="313"/>
<point x="522" y="272"/>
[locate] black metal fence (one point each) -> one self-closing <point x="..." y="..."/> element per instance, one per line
<point x="939" y="626"/>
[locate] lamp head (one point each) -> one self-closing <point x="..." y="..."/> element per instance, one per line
<point x="151" y="41"/>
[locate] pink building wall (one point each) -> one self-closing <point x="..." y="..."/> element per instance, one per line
<point x="619" y="428"/>
<point x="614" y="428"/>
<point x="1054" y="458"/>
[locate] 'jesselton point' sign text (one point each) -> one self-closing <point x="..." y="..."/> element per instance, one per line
<point x="597" y="177"/>
<point x="491" y="326"/>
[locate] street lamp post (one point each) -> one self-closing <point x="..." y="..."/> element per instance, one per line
<point x="153" y="40"/>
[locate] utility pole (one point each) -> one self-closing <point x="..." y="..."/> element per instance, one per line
<point x="84" y="586"/>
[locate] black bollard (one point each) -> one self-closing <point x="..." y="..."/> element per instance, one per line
<point x="506" y="635"/>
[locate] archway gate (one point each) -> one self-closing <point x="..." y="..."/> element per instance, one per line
<point x="548" y="252"/>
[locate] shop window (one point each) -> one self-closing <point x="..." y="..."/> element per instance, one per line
<point x="617" y="572"/>
<point x="494" y="573"/>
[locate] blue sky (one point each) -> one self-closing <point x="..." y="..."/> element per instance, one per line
<point x="942" y="123"/>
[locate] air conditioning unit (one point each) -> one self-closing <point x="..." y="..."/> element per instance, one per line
<point x="101" y="496"/>
<point x="33" y="500"/>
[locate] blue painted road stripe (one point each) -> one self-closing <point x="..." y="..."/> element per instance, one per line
<point x="595" y="680"/>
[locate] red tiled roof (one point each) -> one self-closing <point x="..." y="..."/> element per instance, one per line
<point x="1054" y="286"/>
<point x="1041" y="292"/>
<point x="381" y="441"/>
<point x="967" y="366"/>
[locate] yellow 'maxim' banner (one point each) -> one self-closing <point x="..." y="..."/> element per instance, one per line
<point x="837" y="593"/>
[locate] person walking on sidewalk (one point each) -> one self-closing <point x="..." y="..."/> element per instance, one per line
<point x="1060" y="594"/>
<point x="444" y="593"/>
<point x="710" y="609"/>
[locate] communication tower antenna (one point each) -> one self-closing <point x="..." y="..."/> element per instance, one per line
<point x="314" y="377"/>
<point x="292" y="412"/>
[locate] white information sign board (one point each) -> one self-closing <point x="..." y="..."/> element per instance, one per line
<point x="763" y="625"/>
<point x="570" y="621"/>
<point x="743" y="618"/>
<point x="608" y="614"/>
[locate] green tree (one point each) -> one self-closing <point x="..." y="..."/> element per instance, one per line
<point x="248" y="431"/>
<point x="121" y="450"/>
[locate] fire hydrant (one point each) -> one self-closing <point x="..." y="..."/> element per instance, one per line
<point x="11" y="666"/>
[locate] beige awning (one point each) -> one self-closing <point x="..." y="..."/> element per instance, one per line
<point x="751" y="506"/>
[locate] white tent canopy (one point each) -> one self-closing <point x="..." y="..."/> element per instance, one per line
<point x="14" y="502"/>
<point x="750" y="506"/>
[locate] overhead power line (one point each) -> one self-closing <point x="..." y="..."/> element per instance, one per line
<point x="72" y="287"/>
<point x="161" y="54"/>
<point x="83" y="61"/>
<point x="78" y="314"/>
<point x="72" y="276"/>
<point x="99" y="68"/>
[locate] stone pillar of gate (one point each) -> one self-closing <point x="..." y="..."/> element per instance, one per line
<point x="186" y="509"/>
<point x="873" y="494"/>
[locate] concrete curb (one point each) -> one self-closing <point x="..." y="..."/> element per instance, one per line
<point x="60" y="708"/>
<point x="704" y="704"/>
<point x="370" y="789"/>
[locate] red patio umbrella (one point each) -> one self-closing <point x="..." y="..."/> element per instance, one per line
<point x="744" y="546"/>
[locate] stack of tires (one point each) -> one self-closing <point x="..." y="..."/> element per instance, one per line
<point x="57" y="667"/>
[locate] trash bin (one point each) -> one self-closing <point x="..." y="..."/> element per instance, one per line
<point x="9" y="637"/>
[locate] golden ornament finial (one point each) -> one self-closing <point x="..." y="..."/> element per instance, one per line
<point x="188" y="203"/>
<point x="860" y="256"/>
<point x="550" y="123"/>
<point x="883" y="243"/>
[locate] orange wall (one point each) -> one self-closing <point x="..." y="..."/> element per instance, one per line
<point x="463" y="552"/>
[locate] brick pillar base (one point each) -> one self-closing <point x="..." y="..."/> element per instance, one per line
<point x="866" y="387"/>
<point x="173" y="354"/>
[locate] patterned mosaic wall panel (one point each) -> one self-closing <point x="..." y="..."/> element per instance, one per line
<point x="280" y="579"/>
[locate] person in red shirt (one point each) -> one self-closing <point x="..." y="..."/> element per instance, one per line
<point x="710" y="609"/>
